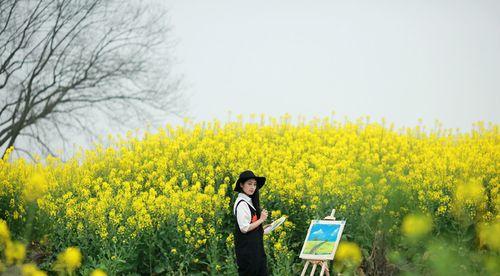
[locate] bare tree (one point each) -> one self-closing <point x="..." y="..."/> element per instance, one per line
<point x="64" y="61"/>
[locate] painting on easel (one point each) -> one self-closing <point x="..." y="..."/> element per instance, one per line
<point x="322" y="239"/>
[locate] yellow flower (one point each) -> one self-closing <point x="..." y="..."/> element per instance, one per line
<point x="470" y="193"/>
<point x="98" y="272"/>
<point x="31" y="270"/>
<point x="4" y="231"/>
<point x="275" y="214"/>
<point x="202" y="241"/>
<point x="35" y="187"/>
<point x="70" y="259"/>
<point x="489" y="235"/>
<point x="416" y="225"/>
<point x="469" y="200"/>
<point x="15" y="252"/>
<point x="441" y="210"/>
<point x="278" y="246"/>
<point x="173" y="251"/>
<point x="348" y="255"/>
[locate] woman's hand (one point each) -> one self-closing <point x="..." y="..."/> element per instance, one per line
<point x="255" y="224"/>
<point x="263" y="215"/>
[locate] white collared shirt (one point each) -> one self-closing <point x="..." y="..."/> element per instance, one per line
<point x="243" y="213"/>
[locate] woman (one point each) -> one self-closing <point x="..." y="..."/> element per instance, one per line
<point x="248" y="236"/>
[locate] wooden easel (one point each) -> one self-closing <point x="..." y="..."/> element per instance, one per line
<point x="323" y="263"/>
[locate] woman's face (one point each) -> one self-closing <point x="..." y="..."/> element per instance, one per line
<point x="249" y="186"/>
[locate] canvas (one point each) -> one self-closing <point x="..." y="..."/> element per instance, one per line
<point x="322" y="239"/>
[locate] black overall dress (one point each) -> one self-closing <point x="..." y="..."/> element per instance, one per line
<point x="249" y="247"/>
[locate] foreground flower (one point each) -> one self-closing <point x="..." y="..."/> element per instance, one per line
<point x="69" y="260"/>
<point x="416" y="225"/>
<point x="348" y="256"/>
<point x="35" y="187"/>
<point x="471" y="192"/>
<point x="31" y="270"/>
<point x="489" y="234"/>
<point x="4" y="232"/>
<point x="15" y="252"/>
<point x="98" y="272"/>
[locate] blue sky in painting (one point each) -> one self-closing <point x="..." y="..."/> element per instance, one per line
<point x="324" y="232"/>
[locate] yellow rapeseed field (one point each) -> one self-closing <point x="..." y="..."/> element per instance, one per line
<point x="414" y="199"/>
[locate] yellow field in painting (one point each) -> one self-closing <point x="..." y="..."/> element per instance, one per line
<point x="318" y="247"/>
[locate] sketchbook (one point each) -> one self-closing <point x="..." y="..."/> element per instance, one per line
<point x="275" y="224"/>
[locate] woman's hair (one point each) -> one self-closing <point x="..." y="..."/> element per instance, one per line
<point x="256" y="201"/>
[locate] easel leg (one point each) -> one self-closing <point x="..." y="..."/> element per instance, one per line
<point x="324" y="268"/>
<point x="305" y="268"/>
<point x="313" y="269"/>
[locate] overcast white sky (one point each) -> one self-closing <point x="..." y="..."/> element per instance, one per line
<point x="401" y="60"/>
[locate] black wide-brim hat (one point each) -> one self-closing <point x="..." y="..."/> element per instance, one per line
<point x="244" y="176"/>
